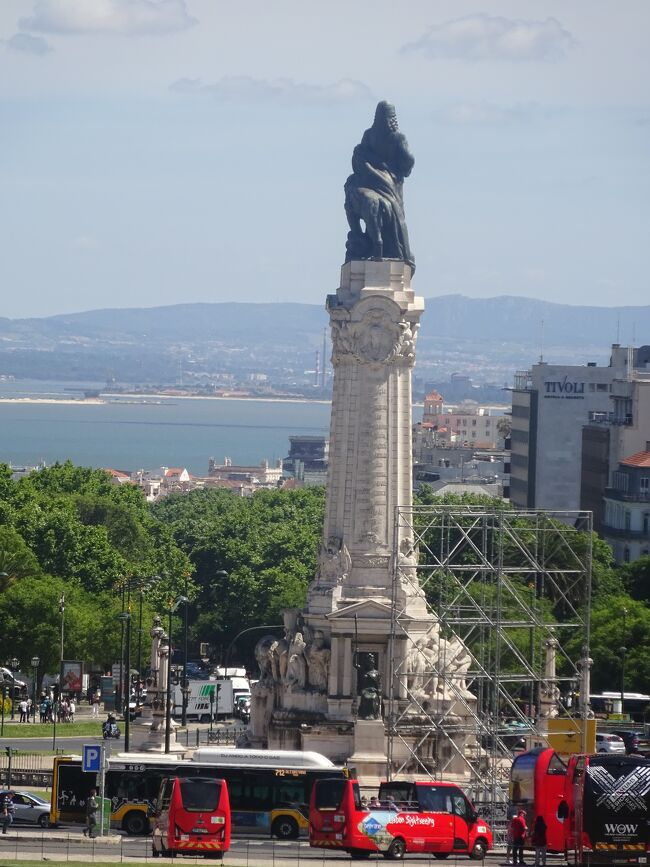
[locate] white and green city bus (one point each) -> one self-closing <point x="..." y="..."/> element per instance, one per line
<point x="269" y="790"/>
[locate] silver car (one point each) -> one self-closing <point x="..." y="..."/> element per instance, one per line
<point x="31" y="809"/>
<point x="610" y="744"/>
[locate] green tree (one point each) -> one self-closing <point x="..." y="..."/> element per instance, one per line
<point x="16" y="559"/>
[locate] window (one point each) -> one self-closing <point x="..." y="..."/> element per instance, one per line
<point x="329" y="794"/>
<point x="434" y="800"/>
<point x="473" y="422"/>
<point x="646" y="522"/>
<point x="199" y="795"/>
<point x="601" y="386"/>
<point x="643" y="484"/>
<point x="626" y="555"/>
<point x="628" y="519"/>
<point x="459" y="802"/>
<point x="288" y="792"/>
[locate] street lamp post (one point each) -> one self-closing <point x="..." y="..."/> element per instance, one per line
<point x="185" y="690"/>
<point x="125" y="617"/>
<point x="2" y="723"/>
<point x="35" y="663"/>
<point x="243" y="632"/>
<point x="14" y="665"/>
<point x="623" y="650"/>
<point x="173" y="607"/>
<point x="211" y="708"/>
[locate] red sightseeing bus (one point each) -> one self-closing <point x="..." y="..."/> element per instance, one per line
<point x="192" y="816"/>
<point x="537" y="782"/>
<point x="596" y="807"/>
<point x="407" y="817"/>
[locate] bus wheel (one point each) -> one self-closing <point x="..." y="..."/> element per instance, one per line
<point x="359" y="854"/>
<point x="285" y="828"/>
<point x="135" y="823"/>
<point x="396" y="850"/>
<point x="479" y="850"/>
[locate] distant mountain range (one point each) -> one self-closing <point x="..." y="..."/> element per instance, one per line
<point x="486" y="337"/>
<point x="504" y="318"/>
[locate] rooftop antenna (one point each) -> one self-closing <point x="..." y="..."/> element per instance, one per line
<point x="618" y="329"/>
<point x="541" y="345"/>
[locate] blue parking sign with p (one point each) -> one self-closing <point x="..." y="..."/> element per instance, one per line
<point x="91" y="759"/>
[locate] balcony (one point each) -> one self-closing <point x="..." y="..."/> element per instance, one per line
<point x="619" y="533"/>
<point x="627" y="496"/>
<point x="610" y="418"/>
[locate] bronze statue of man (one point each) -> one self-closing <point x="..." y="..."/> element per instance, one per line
<point x="374" y="192"/>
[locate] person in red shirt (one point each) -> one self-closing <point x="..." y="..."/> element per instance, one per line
<point x="518" y="830"/>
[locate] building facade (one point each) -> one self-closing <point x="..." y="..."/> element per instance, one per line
<point x="627" y="508"/>
<point x="550" y="406"/>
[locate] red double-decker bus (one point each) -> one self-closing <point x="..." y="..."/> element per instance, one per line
<point x="429" y="816"/>
<point x="596" y="807"/>
<point x="192" y="817"/>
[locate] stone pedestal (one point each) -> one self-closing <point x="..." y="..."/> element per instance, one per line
<point x="369" y="756"/>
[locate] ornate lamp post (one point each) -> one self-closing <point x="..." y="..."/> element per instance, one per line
<point x="173" y="608"/>
<point x="35" y="663"/>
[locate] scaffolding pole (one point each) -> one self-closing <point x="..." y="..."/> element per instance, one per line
<point x="502" y="650"/>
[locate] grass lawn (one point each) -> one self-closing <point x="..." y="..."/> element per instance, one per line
<point x="5" y="862"/>
<point x="44" y="730"/>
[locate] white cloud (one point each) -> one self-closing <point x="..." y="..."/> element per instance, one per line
<point x="487" y="37"/>
<point x="27" y="44"/>
<point x="242" y="88"/>
<point x="124" y="17"/>
<point x="483" y="113"/>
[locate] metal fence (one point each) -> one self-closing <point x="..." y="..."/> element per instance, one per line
<point x="26" y="769"/>
<point x="213" y="738"/>
<point x="24" y="844"/>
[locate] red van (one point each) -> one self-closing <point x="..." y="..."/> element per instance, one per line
<point x="426" y="816"/>
<point x="192" y="816"/>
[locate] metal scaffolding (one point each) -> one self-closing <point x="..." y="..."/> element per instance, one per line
<point x="503" y="650"/>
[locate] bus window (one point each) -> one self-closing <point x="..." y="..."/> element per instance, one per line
<point x="460" y="805"/>
<point x="259" y="795"/>
<point x="289" y="792"/>
<point x="556" y="766"/>
<point x="329" y="794"/>
<point x="166" y="793"/>
<point x="433" y="799"/>
<point x="200" y="795"/>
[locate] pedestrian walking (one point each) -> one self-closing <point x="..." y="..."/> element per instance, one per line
<point x="22" y="707"/>
<point x="538" y="839"/>
<point x="518" y="827"/>
<point x="6" y="810"/>
<point x="71" y="710"/>
<point x="96" y="705"/>
<point x="91" y="814"/>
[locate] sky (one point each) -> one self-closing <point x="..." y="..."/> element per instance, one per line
<point x="171" y="151"/>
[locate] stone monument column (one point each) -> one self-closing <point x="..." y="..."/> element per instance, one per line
<point x="374" y="318"/>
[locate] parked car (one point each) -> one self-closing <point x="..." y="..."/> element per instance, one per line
<point x="606" y="743"/>
<point x="634" y="742"/>
<point x="31" y="809"/>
